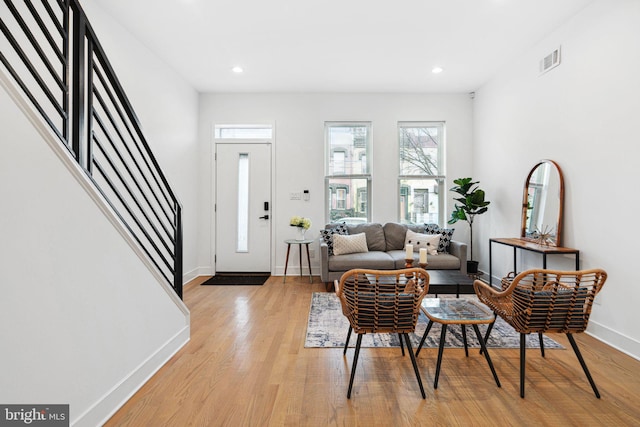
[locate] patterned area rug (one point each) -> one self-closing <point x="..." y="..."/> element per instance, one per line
<point x="327" y="328"/>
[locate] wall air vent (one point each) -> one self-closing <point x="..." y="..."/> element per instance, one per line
<point x="550" y="61"/>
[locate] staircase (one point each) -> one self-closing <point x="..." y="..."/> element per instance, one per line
<point x="91" y="231"/>
<point x="51" y="56"/>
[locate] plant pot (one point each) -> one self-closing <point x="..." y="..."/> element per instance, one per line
<point x="472" y="267"/>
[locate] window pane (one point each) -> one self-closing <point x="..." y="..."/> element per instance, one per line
<point x="420" y="149"/>
<point x="420" y="200"/>
<point x="243" y="203"/>
<point x="348" y="200"/>
<point x="347" y="178"/>
<point x="243" y="132"/>
<point x="348" y="145"/>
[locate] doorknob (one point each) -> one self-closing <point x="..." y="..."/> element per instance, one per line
<point x="264" y="217"/>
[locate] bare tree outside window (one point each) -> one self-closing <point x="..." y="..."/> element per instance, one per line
<point x="421" y="181"/>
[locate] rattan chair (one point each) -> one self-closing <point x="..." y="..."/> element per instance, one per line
<point x="383" y="301"/>
<point x="537" y="301"/>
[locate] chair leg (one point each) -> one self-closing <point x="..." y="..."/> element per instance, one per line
<point x="355" y="363"/>
<point x="424" y="336"/>
<point x="486" y="354"/>
<point x="574" y="345"/>
<point x="540" y="336"/>
<point x="401" y="345"/>
<point x="523" y="350"/>
<point x="486" y="335"/>
<point x="346" y="344"/>
<point x="415" y="365"/>
<point x="443" y="334"/>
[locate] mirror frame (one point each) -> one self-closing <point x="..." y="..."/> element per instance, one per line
<point x="525" y="198"/>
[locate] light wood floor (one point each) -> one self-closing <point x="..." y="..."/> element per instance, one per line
<point x="246" y="365"/>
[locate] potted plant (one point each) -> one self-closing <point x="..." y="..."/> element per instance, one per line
<point x="470" y="203"/>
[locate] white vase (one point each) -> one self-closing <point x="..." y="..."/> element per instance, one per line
<point x="301" y="231"/>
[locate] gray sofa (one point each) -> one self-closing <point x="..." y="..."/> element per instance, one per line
<point x="386" y="252"/>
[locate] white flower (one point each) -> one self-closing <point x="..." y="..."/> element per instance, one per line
<point x="298" y="221"/>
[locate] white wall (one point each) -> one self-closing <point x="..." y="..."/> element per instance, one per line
<point x="167" y="107"/>
<point x="82" y="320"/>
<point x="299" y="151"/>
<point x="582" y="114"/>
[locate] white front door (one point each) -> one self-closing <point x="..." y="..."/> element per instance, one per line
<point x="243" y="207"/>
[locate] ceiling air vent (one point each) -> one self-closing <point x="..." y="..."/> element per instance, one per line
<point x="550" y="61"/>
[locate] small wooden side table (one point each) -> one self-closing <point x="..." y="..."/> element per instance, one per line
<point x="305" y="242"/>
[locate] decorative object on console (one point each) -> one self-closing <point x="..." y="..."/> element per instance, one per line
<point x="471" y="203"/>
<point x="545" y="236"/>
<point x="302" y="223"/>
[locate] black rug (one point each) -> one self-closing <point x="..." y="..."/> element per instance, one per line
<point x="252" y="279"/>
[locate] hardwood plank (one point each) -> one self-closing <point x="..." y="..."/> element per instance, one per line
<point x="246" y="365"/>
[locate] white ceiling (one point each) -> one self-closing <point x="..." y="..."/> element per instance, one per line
<point x="339" y="45"/>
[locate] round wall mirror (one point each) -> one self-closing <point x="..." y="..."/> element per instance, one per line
<point x="542" y="204"/>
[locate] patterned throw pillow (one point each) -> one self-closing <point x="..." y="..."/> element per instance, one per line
<point x="352" y="244"/>
<point x="431" y="228"/>
<point x="430" y="242"/>
<point x="446" y="234"/>
<point x="327" y="235"/>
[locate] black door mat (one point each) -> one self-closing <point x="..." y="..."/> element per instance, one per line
<point x="253" y="279"/>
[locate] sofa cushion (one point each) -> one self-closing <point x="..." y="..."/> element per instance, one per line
<point x="374" y="260"/>
<point x="375" y="235"/>
<point x="329" y="231"/>
<point x="394" y="235"/>
<point x="419" y="241"/>
<point x="350" y="244"/>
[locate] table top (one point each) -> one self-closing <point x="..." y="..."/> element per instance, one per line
<point x="456" y="311"/>
<point x="531" y="245"/>
<point x="300" y="242"/>
<point x="436" y="278"/>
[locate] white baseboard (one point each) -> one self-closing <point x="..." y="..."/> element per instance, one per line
<point x="295" y="271"/>
<point x="623" y="343"/>
<point x="195" y="273"/>
<point x="114" y="399"/>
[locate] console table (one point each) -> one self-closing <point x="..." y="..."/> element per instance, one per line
<point x="528" y="245"/>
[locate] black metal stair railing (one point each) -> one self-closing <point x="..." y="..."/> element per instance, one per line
<point x="52" y="53"/>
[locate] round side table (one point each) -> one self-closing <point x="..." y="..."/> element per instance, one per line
<point x="305" y="242"/>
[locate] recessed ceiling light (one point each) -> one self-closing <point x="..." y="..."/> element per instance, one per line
<point x="437" y="70"/>
<point x="237" y="69"/>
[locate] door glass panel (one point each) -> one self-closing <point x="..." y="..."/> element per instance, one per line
<point x="242" y="243"/>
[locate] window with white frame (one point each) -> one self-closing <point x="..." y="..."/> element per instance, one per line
<point x="347" y="171"/>
<point x="243" y="132"/>
<point x="421" y="179"/>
